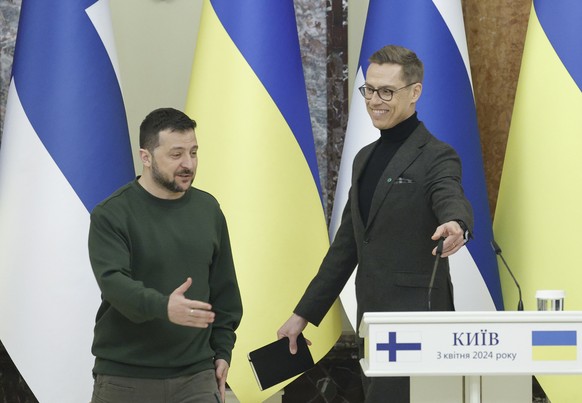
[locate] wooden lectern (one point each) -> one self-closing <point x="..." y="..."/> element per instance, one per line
<point x="495" y="352"/>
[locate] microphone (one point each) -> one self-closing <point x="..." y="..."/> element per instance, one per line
<point x="439" y="252"/>
<point x="497" y="251"/>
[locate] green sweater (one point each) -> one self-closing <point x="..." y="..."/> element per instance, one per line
<point x="142" y="248"/>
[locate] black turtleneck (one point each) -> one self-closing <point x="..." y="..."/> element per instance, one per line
<point x="390" y="141"/>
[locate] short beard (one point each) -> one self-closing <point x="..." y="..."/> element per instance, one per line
<point x="170" y="185"/>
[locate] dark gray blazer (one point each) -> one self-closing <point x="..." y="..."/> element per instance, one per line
<point x="419" y="190"/>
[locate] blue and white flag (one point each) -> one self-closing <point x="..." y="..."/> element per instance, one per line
<point x="447" y="107"/>
<point x="65" y="148"/>
<point x="399" y="347"/>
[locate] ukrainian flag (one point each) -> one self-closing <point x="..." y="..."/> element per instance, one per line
<point x="554" y="345"/>
<point x="65" y="148"/>
<point x="538" y="215"/>
<point x="257" y="156"/>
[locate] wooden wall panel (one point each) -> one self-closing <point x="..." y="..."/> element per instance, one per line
<point x="495" y="36"/>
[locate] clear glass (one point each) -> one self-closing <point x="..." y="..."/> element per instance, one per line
<point x="550" y="300"/>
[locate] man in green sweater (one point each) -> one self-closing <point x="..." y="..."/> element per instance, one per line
<point x="160" y="252"/>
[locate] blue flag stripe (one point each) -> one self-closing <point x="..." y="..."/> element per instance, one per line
<point x="553" y="338"/>
<point x="562" y="23"/>
<point x="69" y="90"/>
<point x="446" y="106"/>
<point x="272" y="50"/>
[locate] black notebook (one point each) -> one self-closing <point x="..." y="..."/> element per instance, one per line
<point x="274" y="363"/>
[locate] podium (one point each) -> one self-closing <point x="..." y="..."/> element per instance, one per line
<point x="473" y="345"/>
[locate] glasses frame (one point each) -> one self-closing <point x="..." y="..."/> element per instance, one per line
<point x="363" y="88"/>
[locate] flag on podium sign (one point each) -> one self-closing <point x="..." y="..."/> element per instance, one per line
<point x="65" y="147"/>
<point x="538" y="215"/>
<point x="447" y="107"/>
<point x="257" y="156"/>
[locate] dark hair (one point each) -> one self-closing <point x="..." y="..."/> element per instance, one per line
<point x="412" y="67"/>
<point x="159" y="120"/>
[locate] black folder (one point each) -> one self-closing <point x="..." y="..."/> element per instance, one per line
<point x="274" y="363"/>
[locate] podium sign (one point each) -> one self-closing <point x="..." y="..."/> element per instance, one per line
<point x="471" y="343"/>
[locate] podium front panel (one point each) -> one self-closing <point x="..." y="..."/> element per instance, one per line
<point x="471" y="343"/>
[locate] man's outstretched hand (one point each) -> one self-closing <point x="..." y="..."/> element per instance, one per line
<point x="187" y="312"/>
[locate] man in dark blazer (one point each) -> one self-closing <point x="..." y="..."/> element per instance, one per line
<point x="406" y="194"/>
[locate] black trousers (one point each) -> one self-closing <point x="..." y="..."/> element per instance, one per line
<point x="386" y="389"/>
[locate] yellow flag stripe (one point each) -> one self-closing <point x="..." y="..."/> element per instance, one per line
<point x="554" y="353"/>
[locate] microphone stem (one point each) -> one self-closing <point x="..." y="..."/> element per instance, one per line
<point x="439" y="252"/>
<point x="436" y="263"/>
<point x="520" y="303"/>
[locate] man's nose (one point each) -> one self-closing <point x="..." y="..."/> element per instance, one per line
<point x="187" y="161"/>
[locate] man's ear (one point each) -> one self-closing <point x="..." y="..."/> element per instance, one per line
<point x="145" y="156"/>
<point x="416" y="91"/>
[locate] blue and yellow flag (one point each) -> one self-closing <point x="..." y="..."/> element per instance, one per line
<point x="257" y="156"/>
<point x="65" y="148"/>
<point x="554" y="345"/>
<point x="538" y="216"/>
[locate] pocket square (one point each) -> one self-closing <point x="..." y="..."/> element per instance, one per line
<point x="401" y="180"/>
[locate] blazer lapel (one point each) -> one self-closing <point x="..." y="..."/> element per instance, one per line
<point x="405" y="156"/>
<point x="359" y="164"/>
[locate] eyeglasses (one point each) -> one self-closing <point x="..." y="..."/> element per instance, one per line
<point x="385" y="93"/>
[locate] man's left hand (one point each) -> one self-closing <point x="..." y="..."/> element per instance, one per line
<point x="221" y="374"/>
